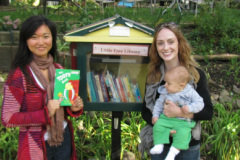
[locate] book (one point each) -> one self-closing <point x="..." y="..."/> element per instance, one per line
<point x="66" y="86"/>
<point x="95" y="86"/>
<point x="128" y="89"/>
<point x="91" y="87"/>
<point x="112" y="87"/>
<point x="120" y="86"/>
<point x="99" y="88"/>
<point x="116" y="89"/>
<point x="136" y="91"/>
<point x="88" y="93"/>
<point x="104" y="88"/>
<point x="125" y="90"/>
<point x="109" y="90"/>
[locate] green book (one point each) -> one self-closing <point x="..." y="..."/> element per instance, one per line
<point x="66" y="86"/>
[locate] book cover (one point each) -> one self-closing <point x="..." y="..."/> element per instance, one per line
<point x="104" y="88"/>
<point x="66" y="86"/>
<point x="91" y="87"/>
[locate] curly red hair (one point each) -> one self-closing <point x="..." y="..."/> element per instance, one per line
<point x="185" y="57"/>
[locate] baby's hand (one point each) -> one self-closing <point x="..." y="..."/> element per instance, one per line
<point x="185" y="109"/>
<point x="154" y="120"/>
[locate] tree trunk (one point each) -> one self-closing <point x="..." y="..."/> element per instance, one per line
<point x="220" y="57"/>
<point x="41" y="2"/>
<point x="4" y="2"/>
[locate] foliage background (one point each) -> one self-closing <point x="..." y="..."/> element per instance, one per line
<point x="209" y="33"/>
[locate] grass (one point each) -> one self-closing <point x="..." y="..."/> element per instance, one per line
<point x="221" y="135"/>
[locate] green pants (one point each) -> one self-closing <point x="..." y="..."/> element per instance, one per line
<point x="162" y="128"/>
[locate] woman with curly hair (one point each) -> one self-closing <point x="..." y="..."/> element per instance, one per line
<point x="169" y="50"/>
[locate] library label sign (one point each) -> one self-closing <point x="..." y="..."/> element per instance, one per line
<point x="120" y="49"/>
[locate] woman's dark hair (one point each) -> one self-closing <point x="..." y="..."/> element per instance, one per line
<point x="24" y="56"/>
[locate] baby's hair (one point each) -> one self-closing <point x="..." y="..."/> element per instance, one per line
<point x="180" y="74"/>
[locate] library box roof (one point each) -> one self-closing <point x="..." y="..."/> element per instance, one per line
<point x="115" y="29"/>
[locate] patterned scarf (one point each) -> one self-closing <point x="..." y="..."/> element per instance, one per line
<point x="56" y="130"/>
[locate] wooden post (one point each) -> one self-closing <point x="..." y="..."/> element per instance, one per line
<point x="116" y="135"/>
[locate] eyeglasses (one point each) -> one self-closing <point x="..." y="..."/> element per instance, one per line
<point x="166" y="25"/>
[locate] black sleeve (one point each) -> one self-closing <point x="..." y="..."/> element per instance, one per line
<point x="202" y="88"/>
<point x="147" y="114"/>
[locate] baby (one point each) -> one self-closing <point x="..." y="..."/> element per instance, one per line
<point x="177" y="90"/>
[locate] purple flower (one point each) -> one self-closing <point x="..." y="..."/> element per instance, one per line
<point x="17" y="21"/>
<point x="9" y="22"/>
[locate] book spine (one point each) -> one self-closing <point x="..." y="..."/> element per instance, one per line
<point x="139" y="97"/>
<point x="109" y="77"/>
<point x="136" y="91"/>
<point x="92" y="90"/>
<point x="110" y="93"/>
<point x="133" y="89"/>
<point x="104" y="88"/>
<point x="99" y="88"/>
<point x="121" y="89"/>
<point x="115" y="88"/>
<point x="118" y="89"/>
<point x="88" y="93"/>
<point x="128" y="88"/>
<point x="125" y="90"/>
<point x="95" y="86"/>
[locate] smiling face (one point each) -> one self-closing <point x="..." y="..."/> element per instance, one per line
<point x="167" y="46"/>
<point x="40" y="42"/>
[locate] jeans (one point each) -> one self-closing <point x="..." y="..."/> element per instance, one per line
<point x="193" y="153"/>
<point x="62" y="152"/>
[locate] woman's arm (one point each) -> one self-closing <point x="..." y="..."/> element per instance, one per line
<point x="172" y="110"/>
<point x="14" y="104"/>
<point x="202" y="88"/>
<point x="147" y="114"/>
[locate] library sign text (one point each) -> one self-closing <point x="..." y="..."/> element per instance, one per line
<point x="120" y="49"/>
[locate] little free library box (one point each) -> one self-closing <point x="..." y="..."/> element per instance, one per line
<point x="112" y="56"/>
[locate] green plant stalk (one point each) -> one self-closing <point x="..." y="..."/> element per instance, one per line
<point x="223" y="133"/>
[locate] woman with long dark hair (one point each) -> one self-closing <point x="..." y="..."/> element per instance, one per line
<point x="44" y="130"/>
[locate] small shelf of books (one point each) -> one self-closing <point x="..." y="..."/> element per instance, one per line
<point x="115" y="77"/>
